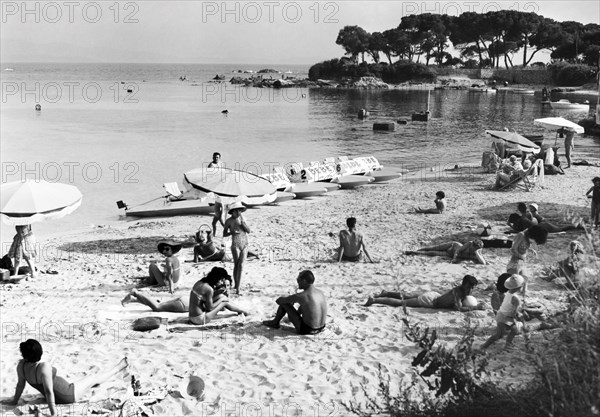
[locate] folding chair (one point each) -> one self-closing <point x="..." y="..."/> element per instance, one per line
<point x="173" y="191"/>
<point x="527" y="181"/>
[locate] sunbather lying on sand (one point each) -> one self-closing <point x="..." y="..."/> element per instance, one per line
<point x="455" y="250"/>
<point x="207" y="298"/>
<point x="440" y="205"/>
<point x="43" y="377"/>
<point x="452" y="299"/>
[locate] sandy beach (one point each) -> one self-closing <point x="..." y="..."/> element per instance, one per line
<point x="249" y="369"/>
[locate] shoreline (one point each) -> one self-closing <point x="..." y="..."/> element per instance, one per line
<point x="243" y="362"/>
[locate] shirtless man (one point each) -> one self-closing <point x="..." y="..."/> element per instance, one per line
<point x="351" y="244"/>
<point x="455" y="250"/>
<point x="170" y="276"/>
<point x="311" y="316"/>
<point x="218" y="214"/>
<point x="216" y="161"/>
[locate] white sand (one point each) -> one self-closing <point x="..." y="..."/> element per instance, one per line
<point x="250" y="369"/>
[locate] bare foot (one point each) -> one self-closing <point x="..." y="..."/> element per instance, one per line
<point x="370" y="301"/>
<point x="126" y="300"/>
<point x="271" y="323"/>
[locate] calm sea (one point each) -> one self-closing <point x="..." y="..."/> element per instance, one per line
<point x="119" y="131"/>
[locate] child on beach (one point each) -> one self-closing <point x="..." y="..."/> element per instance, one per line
<point x="42" y="376"/>
<point x="236" y="227"/>
<point x="170" y="276"/>
<point x="595" y="191"/>
<point x="509" y="312"/>
<point x="452" y="299"/>
<point x="455" y="250"/>
<point x="440" y="204"/>
<point x="23" y="246"/>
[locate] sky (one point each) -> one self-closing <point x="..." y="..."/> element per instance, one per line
<point x="219" y="32"/>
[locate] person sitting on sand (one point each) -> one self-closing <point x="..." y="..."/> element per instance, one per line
<point x="311" y="315"/>
<point x="522" y="219"/>
<point x="440" y="205"/>
<point x="170" y="276"/>
<point x="570" y="266"/>
<point x="455" y="250"/>
<point x="206" y="250"/>
<point x="42" y="376"/>
<point x="23" y="246"/>
<point x="452" y="299"/>
<point x="209" y="296"/>
<point x="213" y="287"/>
<point x="352" y="244"/>
<point x="549" y="227"/>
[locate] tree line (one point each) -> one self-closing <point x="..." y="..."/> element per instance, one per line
<point x="482" y="40"/>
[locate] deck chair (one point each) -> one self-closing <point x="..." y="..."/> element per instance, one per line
<point x="173" y="191"/>
<point x="528" y="181"/>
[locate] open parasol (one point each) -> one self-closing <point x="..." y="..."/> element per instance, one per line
<point x="229" y="182"/>
<point x="27" y="202"/>
<point x="515" y="140"/>
<point x="555" y="123"/>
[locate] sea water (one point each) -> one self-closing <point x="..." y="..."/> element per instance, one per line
<point x="119" y="131"/>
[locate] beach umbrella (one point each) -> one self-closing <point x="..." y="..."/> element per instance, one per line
<point x="229" y="182"/>
<point x="555" y="123"/>
<point x="515" y="140"/>
<point x="27" y="202"/>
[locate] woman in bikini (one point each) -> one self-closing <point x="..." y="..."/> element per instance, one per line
<point x="42" y="376"/>
<point x="209" y="296"/>
<point x="170" y="276"/>
<point x="236" y="227"/>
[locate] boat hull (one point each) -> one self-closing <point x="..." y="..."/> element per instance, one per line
<point x="162" y="208"/>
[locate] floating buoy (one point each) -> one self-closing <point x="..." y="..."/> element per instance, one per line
<point x="225" y="111"/>
<point x="388" y="126"/>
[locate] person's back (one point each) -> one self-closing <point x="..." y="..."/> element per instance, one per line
<point x="448" y="299"/>
<point x="314" y="307"/>
<point x="351" y="241"/>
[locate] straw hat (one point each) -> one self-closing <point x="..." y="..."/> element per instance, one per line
<point x="515" y="281"/>
<point x="535" y="206"/>
<point x="236" y="206"/>
<point x="175" y="247"/>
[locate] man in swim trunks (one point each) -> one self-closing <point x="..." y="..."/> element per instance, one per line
<point x="170" y="276"/>
<point x="310" y="317"/>
<point x="352" y="243"/>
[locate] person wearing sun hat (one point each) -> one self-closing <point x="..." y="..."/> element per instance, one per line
<point x="236" y="227"/>
<point x="170" y="276"/>
<point x="549" y="227"/>
<point x="509" y="312"/>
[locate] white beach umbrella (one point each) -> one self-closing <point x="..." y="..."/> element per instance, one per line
<point x="515" y="140"/>
<point x="226" y="182"/>
<point x="555" y="123"/>
<point x="30" y="202"/>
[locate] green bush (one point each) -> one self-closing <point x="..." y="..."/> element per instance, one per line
<point x="567" y="74"/>
<point x="398" y="72"/>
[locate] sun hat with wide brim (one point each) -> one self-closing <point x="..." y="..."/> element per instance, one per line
<point x="236" y="206"/>
<point x="175" y="247"/>
<point x="515" y="281"/>
<point x="535" y="206"/>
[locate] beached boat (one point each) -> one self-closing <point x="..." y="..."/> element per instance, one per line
<point x="567" y="105"/>
<point x="522" y="91"/>
<point x="482" y="90"/>
<point x="166" y="207"/>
